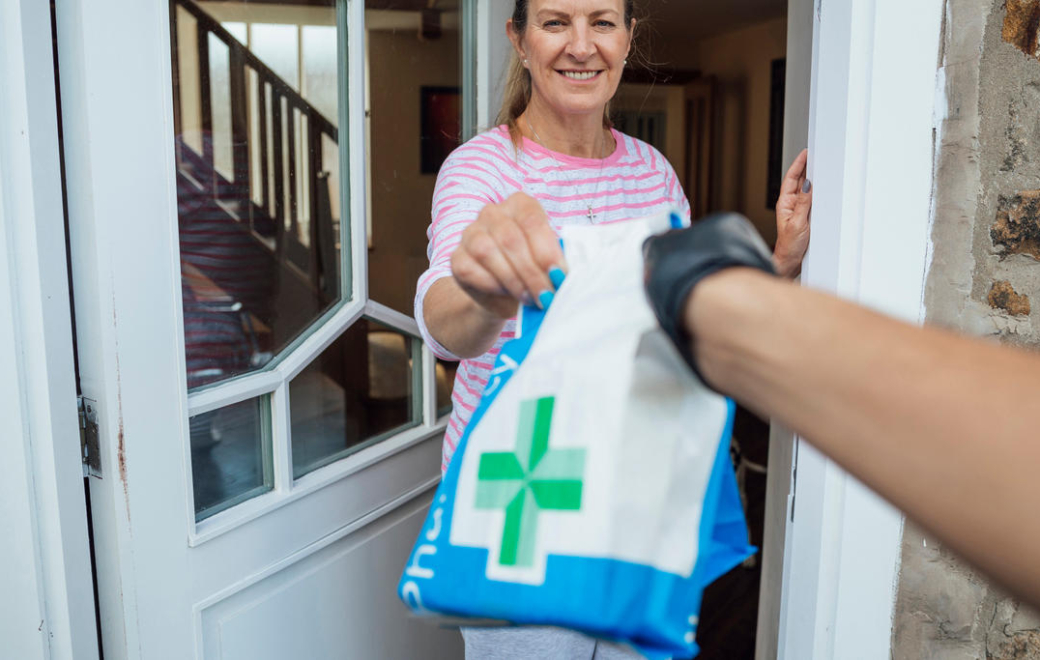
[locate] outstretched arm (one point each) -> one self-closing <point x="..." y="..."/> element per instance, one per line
<point x="941" y="425"/>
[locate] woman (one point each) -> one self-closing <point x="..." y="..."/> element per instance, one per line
<point x="502" y="198"/>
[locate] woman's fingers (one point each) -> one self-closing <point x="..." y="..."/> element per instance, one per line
<point x="795" y="177"/>
<point x="509" y="250"/>
<point x="803" y="203"/>
<point x="482" y="285"/>
<point x="542" y="241"/>
<point x="524" y="236"/>
<point x="792" y="217"/>
<point x="484" y="249"/>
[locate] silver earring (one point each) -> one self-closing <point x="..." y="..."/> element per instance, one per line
<point x="625" y="63"/>
<point x="525" y="61"/>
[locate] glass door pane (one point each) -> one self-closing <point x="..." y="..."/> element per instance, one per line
<point x="415" y="120"/>
<point x="362" y="389"/>
<point x="231" y="455"/>
<point x="258" y="182"/>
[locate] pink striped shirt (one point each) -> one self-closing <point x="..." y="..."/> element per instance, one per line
<point x="633" y="182"/>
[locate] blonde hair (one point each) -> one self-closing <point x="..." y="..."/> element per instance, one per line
<point x="518" y="87"/>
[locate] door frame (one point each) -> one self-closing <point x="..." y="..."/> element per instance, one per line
<point x="47" y="608"/>
<point x="873" y="111"/>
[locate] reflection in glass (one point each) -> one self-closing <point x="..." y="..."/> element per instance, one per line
<point x="361" y="389"/>
<point x="220" y="107"/>
<point x="413" y="72"/>
<point x="257" y="147"/>
<point x="279" y="48"/>
<point x="445" y="381"/>
<point x="230" y="455"/>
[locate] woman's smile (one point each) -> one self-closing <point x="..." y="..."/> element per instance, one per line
<point x="579" y="75"/>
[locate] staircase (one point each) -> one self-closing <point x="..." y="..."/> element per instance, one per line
<point x="259" y="244"/>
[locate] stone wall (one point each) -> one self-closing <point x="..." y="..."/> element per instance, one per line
<point x="985" y="270"/>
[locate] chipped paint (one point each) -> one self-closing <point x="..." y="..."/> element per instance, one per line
<point x="121" y="447"/>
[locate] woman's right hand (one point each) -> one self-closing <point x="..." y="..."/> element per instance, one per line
<point x="506" y="255"/>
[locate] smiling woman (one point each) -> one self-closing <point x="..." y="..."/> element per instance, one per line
<point x="602" y="47"/>
<point x="502" y="198"/>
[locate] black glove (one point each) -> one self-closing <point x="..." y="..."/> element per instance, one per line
<point x="676" y="261"/>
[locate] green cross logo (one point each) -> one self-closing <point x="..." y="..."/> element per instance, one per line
<point x="530" y="479"/>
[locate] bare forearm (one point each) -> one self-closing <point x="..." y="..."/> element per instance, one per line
<point x="457" y="322"/>
<point x="939" y="424"/>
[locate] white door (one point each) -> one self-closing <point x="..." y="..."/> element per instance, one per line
<point x="269" y="422"/>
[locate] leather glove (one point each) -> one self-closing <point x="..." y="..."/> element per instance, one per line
<point x="674" y="262"/>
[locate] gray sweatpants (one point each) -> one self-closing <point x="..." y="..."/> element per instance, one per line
<point x="531" y="643"/>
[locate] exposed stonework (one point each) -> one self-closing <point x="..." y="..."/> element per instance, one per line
<point x="985" y="267"/>
<point x="1003" y="296"/>
<point x="1021" y="25"/>
<point x="1017" y="229"/>
<point x="1021" y="646"/>
<point x="947" y="611"/>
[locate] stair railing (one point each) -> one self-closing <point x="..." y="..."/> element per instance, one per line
<point x="278" y="215"/>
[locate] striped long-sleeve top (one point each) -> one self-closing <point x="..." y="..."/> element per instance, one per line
<point x="633" y="182"/>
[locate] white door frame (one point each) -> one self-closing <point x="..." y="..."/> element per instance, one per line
<point x="47" y="602"/>
<point x="492" y="58"/>
<point x="874" y="92"/>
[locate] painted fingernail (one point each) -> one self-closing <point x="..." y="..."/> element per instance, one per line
<point x="807" y="187"/>
<point x="545" y="299"/>
<point x="557" y="276"/>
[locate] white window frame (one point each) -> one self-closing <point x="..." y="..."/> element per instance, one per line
<point x="274" y="381"/>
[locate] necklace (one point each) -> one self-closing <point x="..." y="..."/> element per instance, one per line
<point x="559" y="168"/>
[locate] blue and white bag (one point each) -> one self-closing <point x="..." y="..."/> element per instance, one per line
<point x="593" y="488"/>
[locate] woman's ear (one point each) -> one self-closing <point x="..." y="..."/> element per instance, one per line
<point x="514" y="38"/>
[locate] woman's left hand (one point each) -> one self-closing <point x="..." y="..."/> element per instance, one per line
<point x="792" y="219"/>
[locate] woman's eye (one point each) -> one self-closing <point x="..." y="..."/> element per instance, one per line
<point x="552" y="24"/>
<point x="604" y="24"/>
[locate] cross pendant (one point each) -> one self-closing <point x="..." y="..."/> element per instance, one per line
<point x="591" y="216"/>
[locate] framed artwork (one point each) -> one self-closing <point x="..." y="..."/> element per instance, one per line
<point x="776" y="131"/>
<point x="441" y="126"/>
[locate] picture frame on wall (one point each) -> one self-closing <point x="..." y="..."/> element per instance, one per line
<point x="441" y="126"/>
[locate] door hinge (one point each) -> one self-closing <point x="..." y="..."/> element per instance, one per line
<point x="89" y="438"/>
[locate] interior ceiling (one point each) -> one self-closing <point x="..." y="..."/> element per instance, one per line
<point x="702" y="18"/>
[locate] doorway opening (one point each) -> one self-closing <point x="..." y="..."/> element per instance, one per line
<point x="707" y="90"/>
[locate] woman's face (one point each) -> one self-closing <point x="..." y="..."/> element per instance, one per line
<point x="575" y="51"/>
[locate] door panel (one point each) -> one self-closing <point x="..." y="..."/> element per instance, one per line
<point x="334" y="600"/>
<point x="222" y="561"/>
